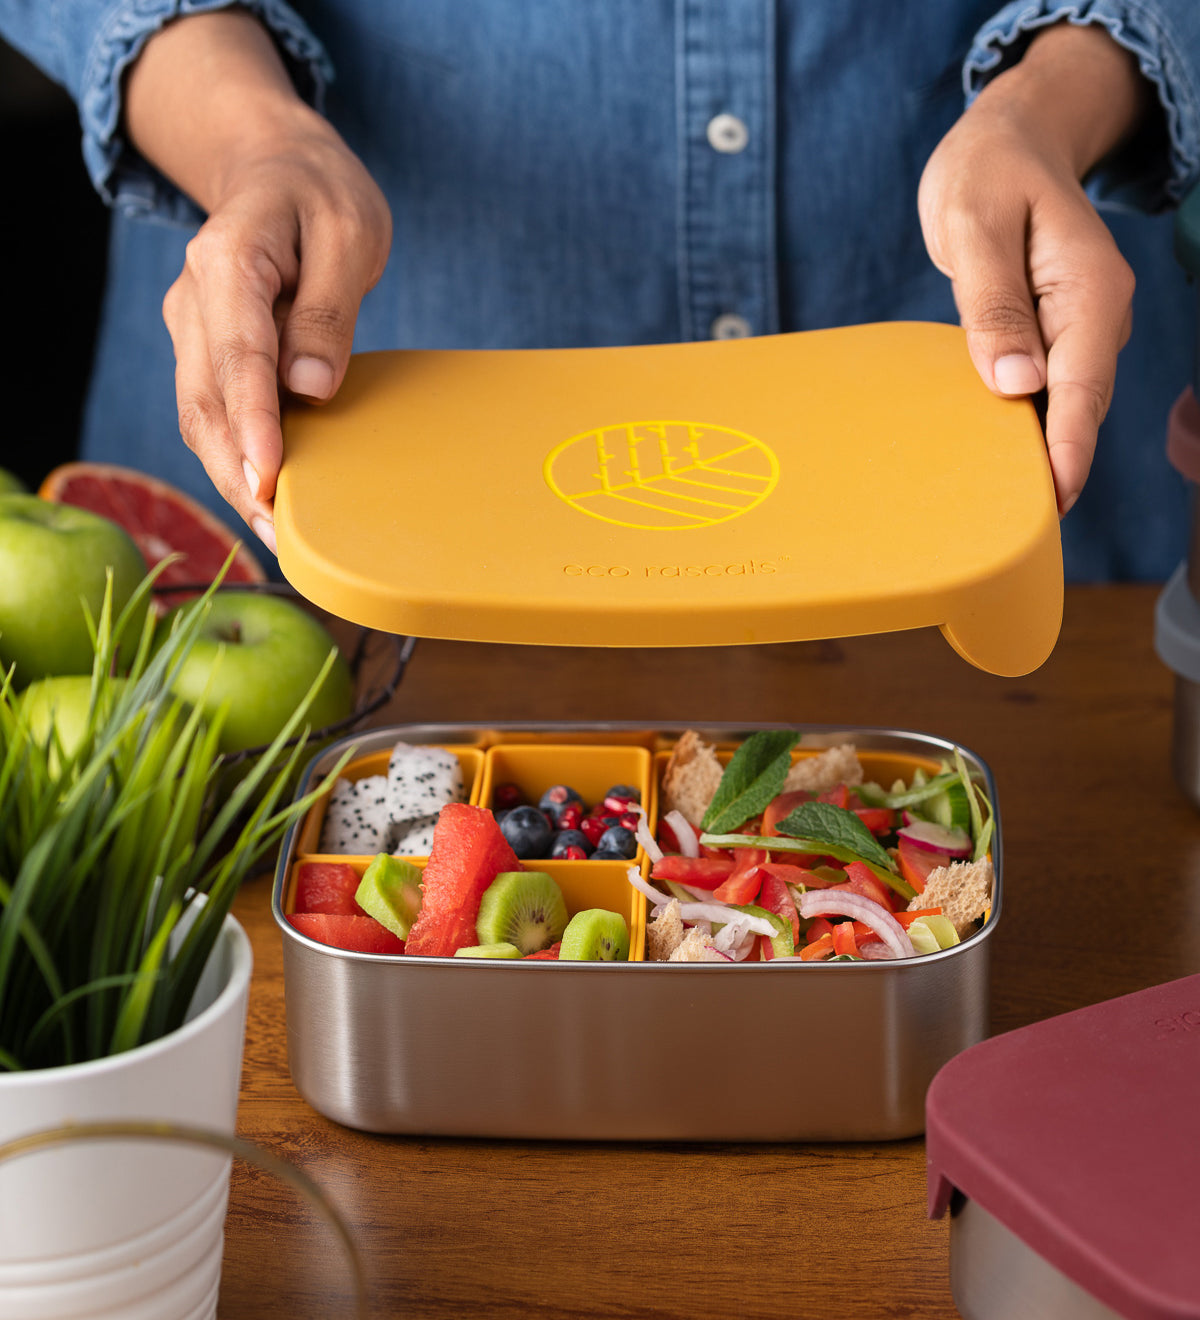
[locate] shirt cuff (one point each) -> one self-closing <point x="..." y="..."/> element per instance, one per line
<point x="120" y="174"/>
<point x="1160" y="167"/>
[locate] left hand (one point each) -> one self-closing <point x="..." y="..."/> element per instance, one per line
<point x="1044" y="295"/>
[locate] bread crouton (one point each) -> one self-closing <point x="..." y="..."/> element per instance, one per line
<point x="665" y="933"/>
<point x="837" y="765"/>
<point x="694" y="947"/>
<point x="691" y="778"/>
<point x="963" y="890"/>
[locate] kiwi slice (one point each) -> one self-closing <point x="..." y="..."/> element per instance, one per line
<point x="523" y="908"/>
<point x="595" y="935"/>
<point x="390" y="891"/>
<point x="488" y="951"/>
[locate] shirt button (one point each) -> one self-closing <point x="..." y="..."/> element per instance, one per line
<point x="730" y="326"/>
<point x="727" y="133"/>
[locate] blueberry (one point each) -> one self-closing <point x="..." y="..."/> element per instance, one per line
<point x="565" y="839"/>
<point x="616" y="841"/>
<point x="554" y="799"/>
<point x="528" y="831"/>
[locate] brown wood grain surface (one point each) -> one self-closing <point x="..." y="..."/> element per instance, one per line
<point x="1101" y="898"/>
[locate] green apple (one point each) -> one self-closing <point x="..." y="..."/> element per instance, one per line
<point x="10" y="484"/>
<point x="60" y="705"/>
<point x="53" y="559"/>
<point x="256" y="657"/>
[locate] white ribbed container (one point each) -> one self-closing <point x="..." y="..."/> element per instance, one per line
<point x="129" y="1229"/>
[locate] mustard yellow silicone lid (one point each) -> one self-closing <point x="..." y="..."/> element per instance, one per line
<point x="783" y="488"/>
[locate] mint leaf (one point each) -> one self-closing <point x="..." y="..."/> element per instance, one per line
<point x="754" y="776"/>
<point x="837" y="826"/>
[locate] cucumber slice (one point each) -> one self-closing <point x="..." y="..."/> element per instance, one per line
<point x="951" y="808"/>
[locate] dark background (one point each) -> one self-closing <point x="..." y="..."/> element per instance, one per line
<point x="53" y="232"/>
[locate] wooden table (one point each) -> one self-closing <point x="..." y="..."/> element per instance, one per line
<point x="1102" y="897"/>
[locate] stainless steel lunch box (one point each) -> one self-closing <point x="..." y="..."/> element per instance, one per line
<point x="1066" y="1155"/>
<point x="629" y="1051"/>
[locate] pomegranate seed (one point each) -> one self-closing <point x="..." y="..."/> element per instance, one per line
<point x="507" y="796"/>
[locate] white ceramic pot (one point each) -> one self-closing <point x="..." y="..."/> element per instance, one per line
<point x="128" y="1229"/>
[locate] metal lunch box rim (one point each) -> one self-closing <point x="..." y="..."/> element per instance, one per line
<point x="380" y="737"/>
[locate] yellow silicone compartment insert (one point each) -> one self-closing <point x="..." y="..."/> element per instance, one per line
<point x="584" y="885"/>
<point x="470" y="760"/>
<point x="589" y="769"/>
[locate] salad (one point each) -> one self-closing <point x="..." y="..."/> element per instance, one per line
<point x="776" y="857"/>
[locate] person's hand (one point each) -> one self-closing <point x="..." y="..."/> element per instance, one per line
<point x="270" y="293"/>
<point x="1044" y="295"/>
<point x="297" y="232"/>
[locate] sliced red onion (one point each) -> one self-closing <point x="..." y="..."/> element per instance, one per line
<point x="874" y="951"/>
<point x="844" y="903"/>
<point x="725" y="916"/>
<point x="743" y="950"/>
<point x="644" y="837"/>
<point x="715" y="955"/>
<point x="700" y="895"/>
<point x="656" y="896"/>
<point x="737" y="932"/>
<point x="685" y="836"/>
<point x="927" y="834"/>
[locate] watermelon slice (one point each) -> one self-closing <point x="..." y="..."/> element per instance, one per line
<point x="361" y="934"/>
<point x="327" y="887"/>
<point x="467" y="854"/>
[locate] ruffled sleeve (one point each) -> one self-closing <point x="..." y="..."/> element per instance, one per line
<point x="1163" y="164"/>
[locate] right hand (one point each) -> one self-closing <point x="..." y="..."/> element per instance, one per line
<point x="269" y="295"/>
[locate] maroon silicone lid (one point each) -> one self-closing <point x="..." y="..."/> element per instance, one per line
<point x="1081" y="1135"/>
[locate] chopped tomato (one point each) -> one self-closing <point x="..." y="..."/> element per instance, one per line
<point x="776" y="897"/>
<point x="916" y="863"/>
<point x="879" y="820"/>
<point x="820" y="927"/>
<point x="721" y="854"/>
<point x="780" y="806"/>
<point x="702" y="872"/>
<point x="839" y="796"/>
<point x="906" y="919"/>
<point x="818" y="949"/>
<point x="843" y="939"/>
<point x="860" y="879"/>
<point x="745" y="880"/>
<point x="791" y="874"/>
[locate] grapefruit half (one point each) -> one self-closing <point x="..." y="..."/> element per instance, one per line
<point x="161" y="519"/>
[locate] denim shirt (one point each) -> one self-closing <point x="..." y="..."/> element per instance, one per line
<point x="589" y="172"/>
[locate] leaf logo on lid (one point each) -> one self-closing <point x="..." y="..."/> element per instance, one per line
<point x="662" y="476"/>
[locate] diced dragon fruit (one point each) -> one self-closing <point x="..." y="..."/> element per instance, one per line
<point x="421" y="781"/>
<point x="358" y="818"/>
<point x="416" y="839"/>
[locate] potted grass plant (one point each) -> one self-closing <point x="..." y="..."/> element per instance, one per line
<point x="123" y="976"/>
